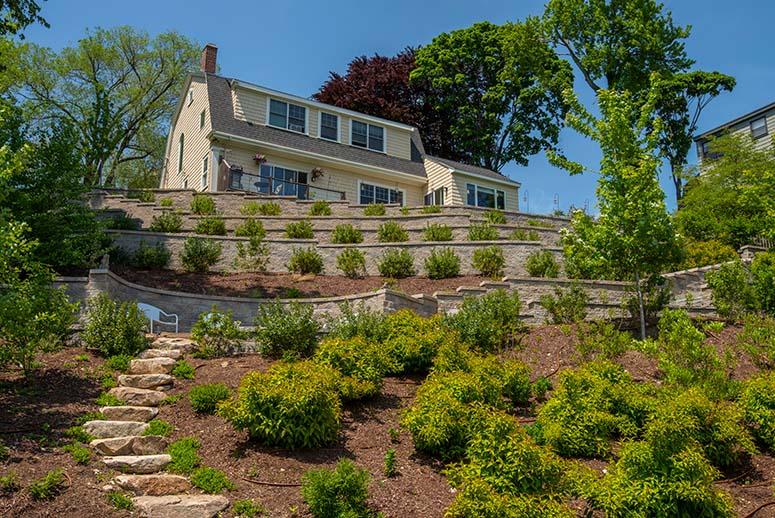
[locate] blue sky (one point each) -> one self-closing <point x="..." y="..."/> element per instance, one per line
<point x="292" y="45"/>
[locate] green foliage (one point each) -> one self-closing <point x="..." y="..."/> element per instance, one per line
<point x="143" y="196"/>
<point x="185" y="458"/>
<point x="216" y="332"/>
<point x="286" y="328"/>
<point x="338" y="493"/>
<point x="495" y="217"/>
<point x="248" y="508"/>
<point x="118" y="362"/>
<point x="10" y="483"/>
<point x="566" y="306"/>
<point x="5" y="451"/>
<point x="159" y="427"/>
<point x="200" y="254"/>
<point x="320" y="208"/>
<point x="479" y="499"/>
<point x="391" y="232"/>
<point x="389" y="463"/>
<point x="482" y="232"/>
<point x="489" y="261"/>
<point x="80" y="454"/>
<point x="183" y="370"/>
<point x="538" y="223"/>
<point x="412" y="341"/>
<point x="49" y="486"/>
<point x="442" y="264"/>
<point x="758" y="340"/>
<point x="165" y="202"/>
<point x="251" y="227"/>
<point x="357" y="321"/>
<point x="211" y="226"/>
<point x="601" y="339"/>
<point x="253" y="256"/>
<point x="352" y="262"/>
<point x="211" y="481"/>
<point x="119" y="500"/>
<point x="113" y="327"/>
<point x="489" y="322"/>
<point x="763" y="272"/>
<point x="105" y="399"/>
<point x="520" y="234"/>
<point x="705" y="253"/>
<point x="299" y="230"/>
<point x="203" y="205"/>
<point x="362" y="363"/>
<point x="757" y="402"/>
<point x="542" y="264"/>
<point x="148" y="257"/>
<point x="168" y="221"/>
<point x="731" y="289"/>
<point x="435" y="232"/>
<point x="305" y="261"/>
<point x="404" y="211"/>
<point x="396" y="263"/>
<point x="346" y="234"/>
<point x="431" y="209"/>
<point x="253" y="208"/>
<point x="374" y="209"/>
<point x="79" y="435"/>
<point x="122" y="222"/>
<point x="205" y="398"/>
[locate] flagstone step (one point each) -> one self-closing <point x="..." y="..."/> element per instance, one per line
<point x="146" y="381"/>
<point x="151" y="366"/>
<point x="175" y="354"/>
<point x="131" y="445"/>
<point x="180" y="506"/>
<point x="160" y="484"/>
<point x="129" y="413"/>
<point x="108" y="429"/>
<point x="138" y="397"/>
<point x="142" y="464"/>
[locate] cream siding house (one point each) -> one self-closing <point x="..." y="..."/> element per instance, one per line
<point x="759" y="124"/>
<point x="228" y="134"/>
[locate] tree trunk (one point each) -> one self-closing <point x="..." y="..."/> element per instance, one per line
<point x="640" y="306"/>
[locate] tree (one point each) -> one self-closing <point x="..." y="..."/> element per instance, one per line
<point x="15" y="15"/>
<point x="501" y="87"/>
<point x="114" y="87"/>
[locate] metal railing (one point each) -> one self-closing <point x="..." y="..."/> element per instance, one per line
<point x="242" y="181"/>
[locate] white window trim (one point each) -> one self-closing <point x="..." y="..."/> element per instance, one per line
<point x="181" y="146"/>
<point x="287" y="118"/>
<point x="766" y="128"/>
<point x="338" y="126"/>
<point x="202" y="119"/>
<point x="190" y="96"/>
<point x="384" y="137"/>
<point x="402" y="191"/>
<point x="205" y="172"/>
<point x="476" y="195"/>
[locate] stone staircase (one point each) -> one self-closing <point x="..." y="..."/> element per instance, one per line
<point x="142" y="459"/>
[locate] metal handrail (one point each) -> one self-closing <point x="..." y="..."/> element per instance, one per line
<point x="242" y="181"/>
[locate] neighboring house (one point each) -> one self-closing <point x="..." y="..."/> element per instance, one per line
<point x="227" y="134"/>
<point x="758" y="124"/>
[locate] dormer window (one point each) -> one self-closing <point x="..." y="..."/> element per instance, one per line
<point x="329" y="126"/>
<point x="367" y="136"/>
<point x="759" y="127"/>
<point x="287" y="116"/>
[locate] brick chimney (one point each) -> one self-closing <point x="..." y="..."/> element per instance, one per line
<point x="209" y="57"/>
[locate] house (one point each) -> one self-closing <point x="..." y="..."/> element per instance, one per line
<point x="757" y="124"/>
<point x="228" y="134"/>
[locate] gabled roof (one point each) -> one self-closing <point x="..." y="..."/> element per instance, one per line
<point x="472" y="170"/>
<point x="752" y="115"/>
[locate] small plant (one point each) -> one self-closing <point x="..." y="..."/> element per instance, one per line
<point x="183" y="370"/>
<point x="147" y="257"/>
<point x="352" y="262"/>
<point x="113" y="327"/>
<point x="396" y="263"/>
<point x="142" y="196"/>
<point x="122" y="222"/>
<point x="431" y="209"/>
<point x="252" y="256"/>
<point x="434" y="232"/>
<point x="171" y="400"/>
<point x="281" y="328"/>
<point x="211" y="226"/>
<point x="253" y="208"/>
<point x="159" y="427"/>
<point x="203" y="205"/>
<point x="389" y="464"/>
<point x="216" y="333"/>
<point x="200" y="254"/>
<point x="495" y="217"/>
<point x="758" y="340"/>
<point x="299" y="230"/>
<point x="305" y="261"/>
<point x="5" y="452"/>
<point x="251" y="227"/>
<point x="356" y="321"/>
<point x="346" y="234"/>
<point x="106" y="399"/>
<point x="404" y="211"/>
<point x="395" y="434"/>
<point x="566" y="306"/>
<point x="520" y="234"/>
<point x="489" y="261"/>
<point x="601" y="339"/>
<point x="211" y="481"/>
<point x="537" y="223"/>
<point x="731" y="290"/>
<point x="320" y="208"/>
<point x="391" y="232"/>
<point x="89" y="416"/>
<point x="482" y="232"/>
<point x="442" y="264"/>
<point x="49" y="486"/>
<point x="374" y="209"/>
<point x="165" y="202"/>
<point x="80" y="454"/>
<point x="205" y="398"/>
<point x="118" y="363"/>
<point x="10" y="483"/>
<point x="185" y="458"/>
<point x="489" y="322"/>
<point x="119" y="500"/>
<point x="540" y="387"/>
<point x="247" y="509"/>
<point x="168" y="222"/>
<point x="542" y="264"/>
<point x="336" y="493"/>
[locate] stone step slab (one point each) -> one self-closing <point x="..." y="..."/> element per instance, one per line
<point x="140" y="464"/>
<point x="146" y="381"/>
<point x="108" y="429"/>
<point x="138" y="397"/>
<point x="151" y="366"/>
<point x="153" y="485"/>
<point x="180" y="506"/>
<point x="129" y="413"/>
<point x="131" y="445"/>
<point x="175" y="354"/>
<point x="170" y="343"/>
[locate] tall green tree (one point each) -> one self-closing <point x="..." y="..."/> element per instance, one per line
<point x="15" y="15"/>
<point x="114" y="87"/>
<point x="501" y="86"/>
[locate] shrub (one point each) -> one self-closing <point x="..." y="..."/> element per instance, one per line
<point x="479" y="498"/>
<point x="357" y="321"/>
<point x="122" y="222"/>
<point x="183" y="370"/>
<point x="294" y="405"/>
<point x="252" y="256"/>
<point x="211" y="481"/>
<point x="704" y="253"/>
<point x="520" y="234"/>
<point x="185" y="458"/>
<point x="80" y="454"/>
<point x="566" y="306"/>
<point x="346" y="234"/>
<point x="143" y="196"/>
<point x="159" y="427"/>
<point x="338" y="493"/>
<point x="412" y="341"/>
<point x="113" y="327"/>
<point x="165" y="202"/>
<point x="374" y="209"/>
<point x="431" y="209"/>
<point x="389" y="464"/>
<point x="118" y="362"/>
<point x="169" y="222"/>
<point x="253" y="208"/>
<point x="758" y="405"/>
<point x="119" y="500"/>
<point x="216" y="333"/>
<point x="211" y="226"/>
<point x="758" y="340"/>
<point x="148" y="257"/>
<point x="763" y="272"/>
<point x="251" y="228"/>
<point x="362" y="363"/>
<point x="391" y="232"/>
<point x="106" y="399"/>
<point x="731" y="290"/>
<point x="396" y="264"/>
<point x="305" y="261"/>
<point x="205" y="398"/>
<point x="489" y="322"/>
<point x="482" y="232"/>
<point x="286" y="328"/>
<point x="495" y="217"/>
<point x="601" y="338"/>
<point x="10" y="483"/>
<point x="320" y="208"/>
<point x="442" y="264"/>
<point x="247" y="508"/>
<point x="352" y="262"/>
<point x="299" y="230"/>
<point x="537" y="223"/>
<point x="78" y="434"/>
<point x="49" y="486"/>
<point x="542" y="264"/>
<point x="203" y="205"/>
<point x="200" y="254"/>
<point x="404" y="211"/>
<point x="434" y="232"/>
<point x="489" y="261"/>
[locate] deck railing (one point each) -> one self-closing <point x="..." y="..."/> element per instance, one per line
<point x="242" y="181"/>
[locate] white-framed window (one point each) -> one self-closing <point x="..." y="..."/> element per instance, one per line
<point x="329" y="126"/>
<point x="181" y="142"/>
<point x="185" y="183"/>
<point x="202" y="120"/>
<point x="204" y="173"/>
<point x="287" y="116"/>
<point x="371" y="193"/>
<point x="759" y="127"/>
<point x="436" y="197"/>
<point x="367" y="136"/>
<point x="190" y="97"/>
<point x="479" y="196"/>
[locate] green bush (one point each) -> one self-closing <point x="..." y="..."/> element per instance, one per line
<point x="320" y="208"/>
<point x="114" y="328"/>
<point x="254" y="208"/>
<point x="338" y="493"/>
<point x="122" y="222"/>
<point x="389" y="463"/>
<point x="495" y="217"/>
<point x="148" y="257"/>
<point x="489" y="322"/>
<point x="434" y="232"/>
<point x="763" y="272"/>
<point x="412" y="341"/>
<point x="482" y="232"/>
<point x="80" y="454"/>
<point x="363" y="364"/>
<point x="731" y="290"/>
<point x="216" y="333"/>
<point x="431" y="209"/>
<point x="185" y="458"/>
<point x="247" y="508"/>
<point x="78" y="434"/>
<point x="299" y="230"/>
<point x="205" y="398"/>
<point x="705" y="253"/>
<point x="286" y="328"/>
<point x="203" y="205"/>
<point x="357" y="321"/>
<point x="537" y="223"/>
<point x="542" y="264"/>
<point x="566" y="306"/>
<point x="599" y="338"/>
<point x="9" y="483"/>
<point x="758" y="340"/>
<point x="251" y="227"/>
<point x="183" y="370"/>
<point x="478" y="498"/>
<point x="305" y="261"/>
<point x="106" y="399"/>
<point x="252" y="256"/>
<point x="758" y="405"/>
<point x="352" y="262"/>
<point x="520" y="234"/>
<point x="119" y="500"/>
<point x="346" y="234"/>
<point x="200" y="254"/>
<point x="391" y="232"/>
<point x="49" y="486"/>
<point x="489" y="261"/>
<point x="118" y="362"/>
<point x="159" y="427"/>
<point x="442" y="264"/>
<point x="143" y="196"/>
<point x="169" y="222"/>
<point x="165" y="202"/>
<point x="396" y="263"/>
<point x="374" y="209"/>
<point x="211" y="226"/>
<point x="211" y="481"/>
